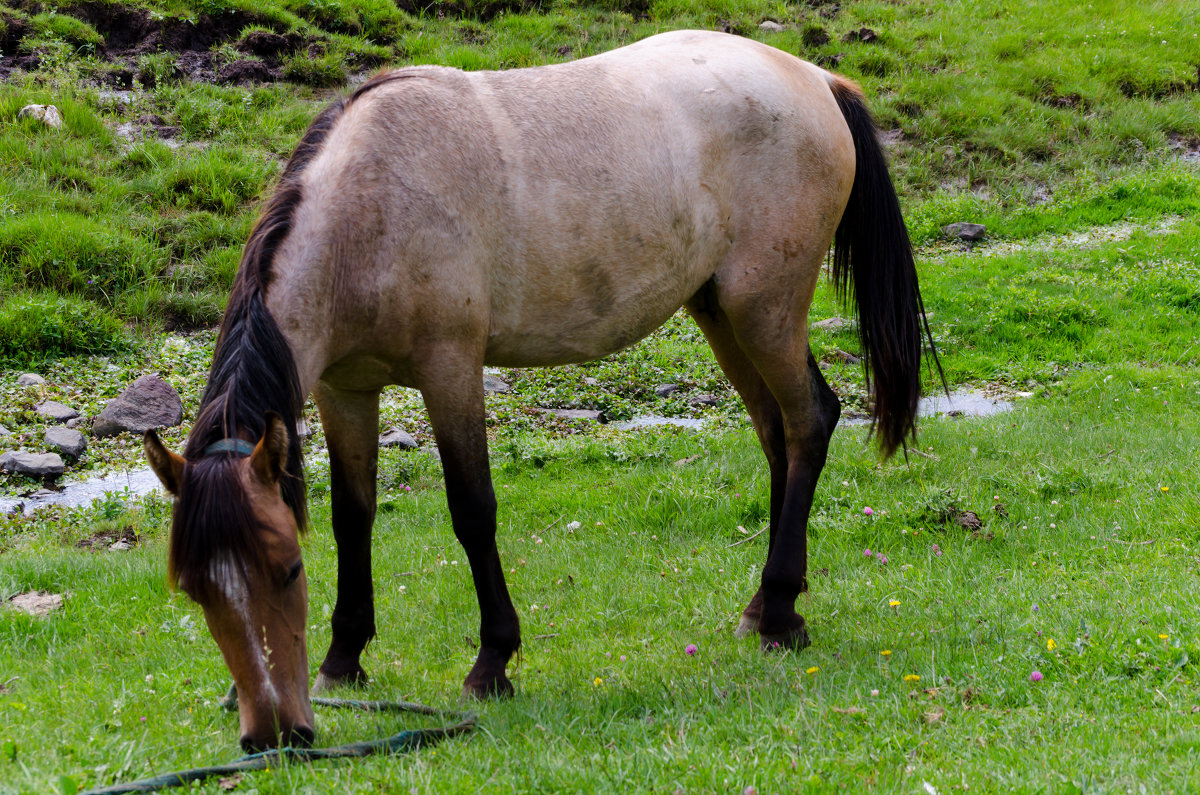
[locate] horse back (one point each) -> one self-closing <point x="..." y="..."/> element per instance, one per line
<point x="559" y="213"/>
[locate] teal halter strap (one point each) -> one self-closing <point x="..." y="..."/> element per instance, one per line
<point x="234" y="446"/>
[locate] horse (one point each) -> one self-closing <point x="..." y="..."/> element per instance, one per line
<point x="437" y="221"/>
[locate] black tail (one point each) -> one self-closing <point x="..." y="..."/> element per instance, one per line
<point x="873" y="260"/>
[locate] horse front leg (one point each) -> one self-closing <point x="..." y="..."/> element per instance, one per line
<point x="351" y="423"/>
<point x="454" y="398"/>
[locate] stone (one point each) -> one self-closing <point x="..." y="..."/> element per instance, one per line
<point x="149" y="402"/>
<point x="66" y="441"/>
<point x="15" y="508"/>
<point x="38" y="465"/>
<point x="5" y="431"/>
<point x="848" y="358"/>
<point x="36" y="603"/>
<point x="576" y="414"/>
<point x="56" y="411"/>
<point x="303" y="430"/>
<point x="833" y="324"/>
<point x="964" y="231"/>
<point x="30" y="379"/>
<point x="397" y="437"/>
<point x="770" y="26"/>
<point x="662" y="390"/>
<point x="120" y="546"/>
<point x="46" y="114"/>
<point x="704" y="400"/>
<point x="494" y="385"/>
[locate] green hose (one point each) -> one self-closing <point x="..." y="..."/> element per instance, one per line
<point x="396" y="744"/>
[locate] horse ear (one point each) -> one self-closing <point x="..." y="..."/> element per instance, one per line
<point x="167" y="466"/>
<point x="270" y="454"/>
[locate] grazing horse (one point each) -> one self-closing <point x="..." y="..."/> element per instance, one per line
<point x="438" y="221"/>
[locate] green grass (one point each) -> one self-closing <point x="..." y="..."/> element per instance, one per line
<point x="1081" y="545"/>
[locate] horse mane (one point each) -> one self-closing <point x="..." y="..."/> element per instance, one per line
<point x="253" y="373"/>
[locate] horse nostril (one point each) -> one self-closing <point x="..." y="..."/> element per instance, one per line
<point x="252" y="746"/>
<point x="302" y="737"/>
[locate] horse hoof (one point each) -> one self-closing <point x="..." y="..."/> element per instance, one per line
<point x="492" y="689"/>
<point x="747" y="626"/>
<point x="325" y="683"/>
<point x="793" y="639"/>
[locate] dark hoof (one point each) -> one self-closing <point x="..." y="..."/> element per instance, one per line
<point x="793" y="639"/>
<point x="487" y="679"/>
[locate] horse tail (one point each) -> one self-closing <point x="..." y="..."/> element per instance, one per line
<point x="873" y="260"/>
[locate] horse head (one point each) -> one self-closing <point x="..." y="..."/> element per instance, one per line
<point x="235" y="551"/>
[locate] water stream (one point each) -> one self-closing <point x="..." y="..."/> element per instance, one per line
<point x="136" y="483"/>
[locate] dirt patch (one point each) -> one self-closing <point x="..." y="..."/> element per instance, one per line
<point x="110" y="540"/>
<point x="132" y="34"/>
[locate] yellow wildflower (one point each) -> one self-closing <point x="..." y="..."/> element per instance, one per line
<point x="1161" y="636"/>
<point x="894" y="603"/>
<point x="597" y="681"/>
<point x="886" y="652"/>
<point x="911" y="678"/>
<point x="812" y="670"/>
<point x="1050" y="644"/>
<point x="1166" y="488"/>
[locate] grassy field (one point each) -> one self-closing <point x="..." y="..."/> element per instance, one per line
<point x="1066" y="129"/>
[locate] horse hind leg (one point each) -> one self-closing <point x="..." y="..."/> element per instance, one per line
<point x="764" y="414"/>
<point x="351" y="423"/>
<point x="760" y="339"/>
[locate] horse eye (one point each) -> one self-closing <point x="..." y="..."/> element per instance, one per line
<point x="294" y="574"/>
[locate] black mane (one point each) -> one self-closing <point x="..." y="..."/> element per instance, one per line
<point x="253" y="373"/>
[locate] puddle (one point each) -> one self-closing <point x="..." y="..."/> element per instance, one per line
<point x="652" y="420"/>
<point x="81" y="493"/>
<point x="966" y="403"/>
<point x="963" y="403"/>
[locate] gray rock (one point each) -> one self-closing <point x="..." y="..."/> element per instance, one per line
<point x="833" y="324"/>
<point x="120" y="546"/>
<point x="74" y="423"/>
<point x="662" y="390"/>
<point x="303" y="430"/>
<point x="704" y="400"/>
<point x="397" y="437"/>
<point x="770" y="26"/>
<point x="848" y="358"/>
<point x="15" y="508"/>
<point x="147" y="403"/>
<point x="966" y="232"/>
<point x="5" y="431"/>
<point x="494" y="385"/>
<point x="68" y="442"/>
<point x="46" y="114"/>
<point x="576" y="414"/>
<point x="38" y="465"/>
<point x="57" y="411"/>
<point x="30" y="379"/>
